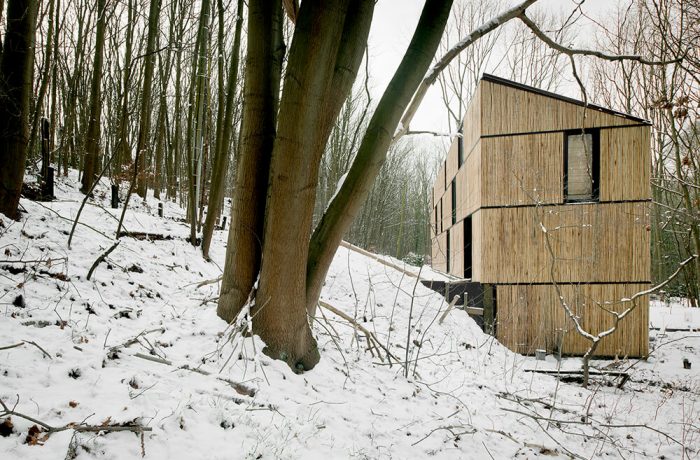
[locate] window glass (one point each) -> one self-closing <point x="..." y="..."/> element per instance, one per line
<point x="579" y="170"/>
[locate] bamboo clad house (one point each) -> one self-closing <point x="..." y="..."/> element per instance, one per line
<point x="543" y="197"/>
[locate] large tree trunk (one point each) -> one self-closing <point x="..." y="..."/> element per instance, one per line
<point x="16" y="65"/>
<point x="224" y="131"/>
<point x="92" y="143"/>
<point x="375" y="144"/>
<point x="261" y="92"/>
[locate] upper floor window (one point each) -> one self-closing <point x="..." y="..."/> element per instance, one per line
<point x="581" y="165"/>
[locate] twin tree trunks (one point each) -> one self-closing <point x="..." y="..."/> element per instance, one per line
<point x="282" y="144"/>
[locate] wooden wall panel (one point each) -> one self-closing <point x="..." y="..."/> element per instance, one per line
<point x="591" y="242"/>
<point x="469" y="184"/>
<point x="532" y="316"/>
<point x="520" y="170"/>
<point x="439" y="185"/>
<point x="625" y="164"/>
<point x="447" y="208"/>
<point x="439" y="248"/>
<point x="471" y="126"/>
<point x="506" y="110"/>
<point x="477" y="250"/>
<point x="457" y="249"/>
<point x="451" y="161"/>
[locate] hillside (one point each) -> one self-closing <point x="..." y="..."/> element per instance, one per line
<point x="140" y="346"/>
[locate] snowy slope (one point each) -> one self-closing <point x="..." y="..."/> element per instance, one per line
<point x="466" y="396"/>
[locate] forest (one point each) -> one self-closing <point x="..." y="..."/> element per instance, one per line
<point x="223" y="208"/>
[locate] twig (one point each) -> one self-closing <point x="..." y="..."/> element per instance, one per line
<point x="364" y="330"/>
<point x="102" y="258"/>
<point x="46" y="353"/>
<point x="155" y="359"/>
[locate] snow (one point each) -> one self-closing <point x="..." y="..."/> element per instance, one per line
<point x="466" y="396"/>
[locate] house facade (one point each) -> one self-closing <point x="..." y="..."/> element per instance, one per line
<point x="544" y="201"/>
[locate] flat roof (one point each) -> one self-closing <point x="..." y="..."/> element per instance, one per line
<point x="502" y="81"/>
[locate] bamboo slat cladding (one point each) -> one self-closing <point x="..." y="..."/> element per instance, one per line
<point x="439" y="248"/>
<point x="469" y="184"/>
<point x="439" y="186"/>
<point x="508" y="110"/>
<point x="532" y="316"/>
<point x="447" y="208"/>
<point x="471" y="126"/>
<point x="625" y="166"/>
<point x="519" y="170"/>
<point x="457" y="250"/>
<point x="606" y="242"/>
<point x="477" y="244"/>
<point x="451" y="161"/>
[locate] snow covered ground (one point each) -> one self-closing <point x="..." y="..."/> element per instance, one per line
<point x="83" y="349"/>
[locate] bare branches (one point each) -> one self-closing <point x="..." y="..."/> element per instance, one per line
<point x="372" y="340"/>
<point x="586" y="52"/>
<point x="443" y="62"/>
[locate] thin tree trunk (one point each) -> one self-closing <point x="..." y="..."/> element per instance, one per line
<point x="92" y="145"/>
<point x="145" y="112"/>
<point x="16" y="66"/>
<point x="225" y="128"/>
<point x="45" y="77"/>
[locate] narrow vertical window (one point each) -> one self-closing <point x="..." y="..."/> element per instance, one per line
<point x="468" y="247"/>
<point x="460" y="149"/>
<point x="454" y="201"/>
<point x="442" y="219"/>
<point x="444" y="166"/>
<point x="581" y="166"/>
<point x="436" y="220"/>
<point x="448" y="250"/>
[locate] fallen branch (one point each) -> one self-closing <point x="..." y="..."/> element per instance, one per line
<point x="80" y="427"/>
<point x="30" y="342"/>
<point x="102" y="258"/>
<point x="372" y="340"/>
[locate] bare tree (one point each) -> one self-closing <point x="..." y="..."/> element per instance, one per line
<point x="16" y="65"/>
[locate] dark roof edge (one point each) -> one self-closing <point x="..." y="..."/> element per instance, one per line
<point x="502" y="81"/>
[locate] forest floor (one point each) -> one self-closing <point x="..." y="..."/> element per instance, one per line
<point x="135" y="363"/>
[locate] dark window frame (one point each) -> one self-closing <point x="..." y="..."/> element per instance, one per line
<point x="448" y="250"/>
<point x="436" y="220"/>
<point x="595" y="165"/>
<point x="454" y="200"/>
<point x="460" y="148"/>
<point x="468" y="236"/>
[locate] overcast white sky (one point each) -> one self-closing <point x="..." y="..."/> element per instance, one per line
<point x="393" y="26"/>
